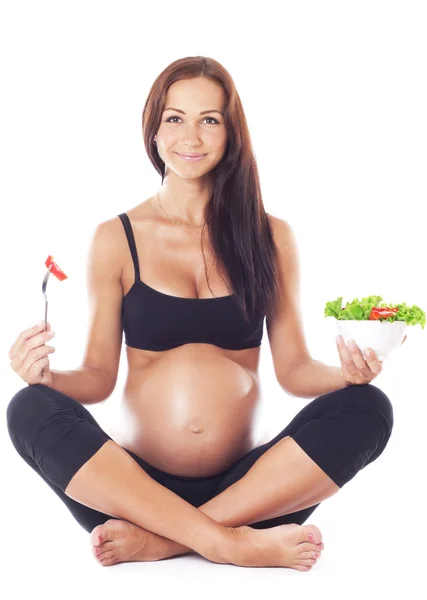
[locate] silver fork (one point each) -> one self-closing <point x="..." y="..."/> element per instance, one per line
<point x="44" y="285"/>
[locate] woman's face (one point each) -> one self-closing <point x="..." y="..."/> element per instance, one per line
<point x="184" y="130"/>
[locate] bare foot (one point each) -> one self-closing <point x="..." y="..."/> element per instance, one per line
<point x="118" y="541"/>
<point x="282" y="546"/>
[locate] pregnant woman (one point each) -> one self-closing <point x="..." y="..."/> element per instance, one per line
<point x="189" y="276"/>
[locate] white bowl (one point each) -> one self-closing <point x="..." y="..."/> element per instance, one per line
<point x="382" y="336"/>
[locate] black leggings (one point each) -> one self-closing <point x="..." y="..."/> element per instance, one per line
<point x="342" y="431"/>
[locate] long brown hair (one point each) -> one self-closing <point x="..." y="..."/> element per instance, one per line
<point x="237" y="222"/>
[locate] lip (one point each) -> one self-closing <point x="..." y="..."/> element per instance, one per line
<point x="191" y="157"/>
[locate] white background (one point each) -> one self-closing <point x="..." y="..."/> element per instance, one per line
<point x="335" y="96"/>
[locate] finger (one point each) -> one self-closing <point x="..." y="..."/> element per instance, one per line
<point x="32" y="343"/>
<point x="347" y="361"/>
<point x="357" y="356"/>
<point x="39" y="328"/>
<point x="26" y="335"/>
<point x="367" y="362"/>
<point x="374" y="363"/>
<point x="22" y="367"/>
<point x="37" y="367"/>
<point x="34" y="360"/>
<point x="32" y="357"/>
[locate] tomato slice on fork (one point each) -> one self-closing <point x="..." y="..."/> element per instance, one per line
<point x="56" y="270"/>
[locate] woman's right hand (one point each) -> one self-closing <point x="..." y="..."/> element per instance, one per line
<point x="29" y="355"/>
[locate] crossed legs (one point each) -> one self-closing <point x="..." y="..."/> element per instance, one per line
<point x="321" y="449"/>
<point x="262" y="494"/>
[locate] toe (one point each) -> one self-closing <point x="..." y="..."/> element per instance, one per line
<point x="313" y="534"/>
<point x="308" y="562"/>
<point x="307" y="555"/>
<point x="105" y="547"/>
<point x="96" y="535"/>
<point x="107" y="559"/>
<point x="307" y="547"/>
<point x="109" y="530"/>
<point x="302" y="567"/>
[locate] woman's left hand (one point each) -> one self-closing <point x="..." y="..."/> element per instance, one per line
<point x="356" y="368"/>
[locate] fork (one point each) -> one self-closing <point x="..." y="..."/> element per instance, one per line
<point x="44" y="285"/>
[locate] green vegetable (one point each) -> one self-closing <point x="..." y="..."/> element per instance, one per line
<point x="360" y="310"/>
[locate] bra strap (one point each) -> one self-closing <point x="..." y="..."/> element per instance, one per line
<point x="131" y="240"/>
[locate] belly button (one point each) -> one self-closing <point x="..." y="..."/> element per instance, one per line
<point x="196" y="429"/>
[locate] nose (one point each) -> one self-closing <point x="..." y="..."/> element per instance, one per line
<point x="191" y="136"/>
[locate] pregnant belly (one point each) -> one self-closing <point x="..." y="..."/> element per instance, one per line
<point x="190" y="412"/>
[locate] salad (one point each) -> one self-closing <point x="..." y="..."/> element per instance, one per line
<point x="372" y="309"/>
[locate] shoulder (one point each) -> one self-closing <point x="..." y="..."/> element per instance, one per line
<point x="107" y="241"/>
<point x="142" y="212"/>
<point x="109" y="247"/>
<point x="112" y="229"/>
<point x="109" y="234"/>
<point x="283" y="234"/>
<point x="277" y="223"/>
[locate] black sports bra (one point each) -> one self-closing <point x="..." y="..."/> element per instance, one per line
<point x="156" y="321"/>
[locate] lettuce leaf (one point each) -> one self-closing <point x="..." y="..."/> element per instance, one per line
<point x="360" y="310"/>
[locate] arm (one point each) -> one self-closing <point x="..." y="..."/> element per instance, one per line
<point x="87" y="385"/>
<point x="296" y="372"/>
<point x="95" y="380"/>
<point x="311" y="378"/>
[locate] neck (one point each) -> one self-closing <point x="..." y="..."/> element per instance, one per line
<point x="185" y="199"/>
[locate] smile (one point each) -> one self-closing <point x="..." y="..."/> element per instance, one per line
<point x="191" y="158"/>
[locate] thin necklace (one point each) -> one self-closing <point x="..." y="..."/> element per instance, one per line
<point x="173" y="220"/>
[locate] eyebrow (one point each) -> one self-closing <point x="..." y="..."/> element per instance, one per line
<point x="204" y="112"/>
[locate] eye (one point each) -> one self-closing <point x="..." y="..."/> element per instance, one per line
<point x="211" y="118"/>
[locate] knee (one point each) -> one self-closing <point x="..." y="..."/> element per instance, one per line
<point x="24" y="412"/>
<point x="374" y="399"/>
